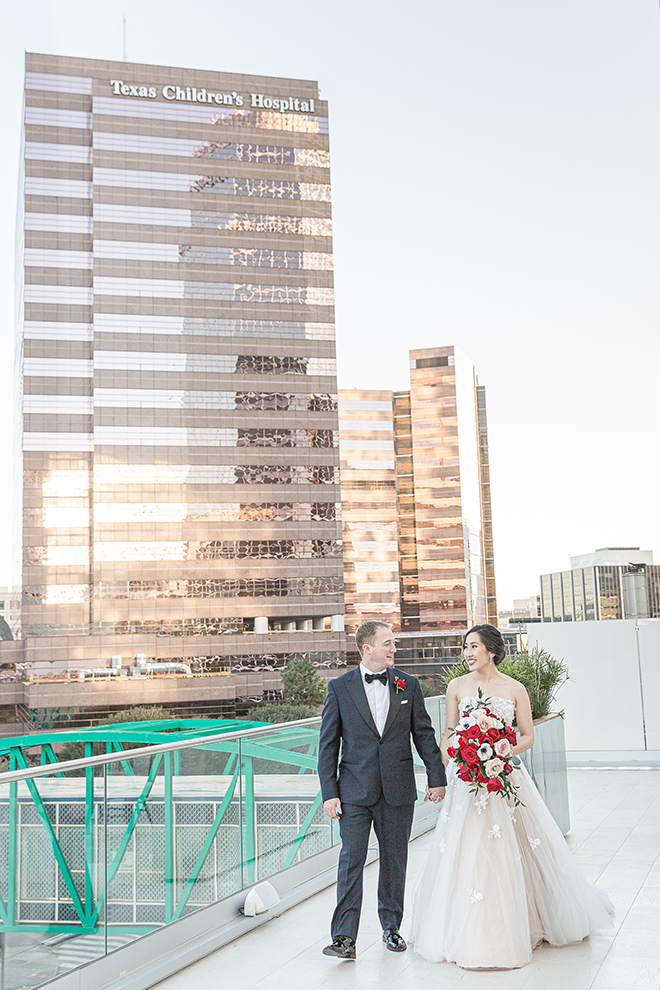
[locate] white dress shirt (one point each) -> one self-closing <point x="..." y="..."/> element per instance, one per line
<point x="378" y="696"/>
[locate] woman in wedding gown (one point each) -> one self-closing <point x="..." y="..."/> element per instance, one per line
<point x="500" y="877"/>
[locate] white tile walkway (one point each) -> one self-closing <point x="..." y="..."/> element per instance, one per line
<point x="615" y="837"/>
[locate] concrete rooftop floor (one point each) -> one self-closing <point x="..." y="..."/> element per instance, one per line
<point x="615" y="837"/>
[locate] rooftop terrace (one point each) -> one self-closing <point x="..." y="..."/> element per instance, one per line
<point x="615" y="836"/>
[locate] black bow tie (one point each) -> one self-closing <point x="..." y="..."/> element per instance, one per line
<point x="382" y="677"/>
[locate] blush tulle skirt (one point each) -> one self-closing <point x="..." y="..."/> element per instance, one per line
<point x="499" y="880"/>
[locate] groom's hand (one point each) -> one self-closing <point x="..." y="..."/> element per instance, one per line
<point x="434" y="794"/>
<point x="332" y="808"/>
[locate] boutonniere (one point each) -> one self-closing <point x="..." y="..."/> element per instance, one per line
<point x="399" y="684"/>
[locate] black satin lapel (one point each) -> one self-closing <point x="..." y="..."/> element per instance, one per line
<point x="355" y="688"/>
<point x="395" y="702"/>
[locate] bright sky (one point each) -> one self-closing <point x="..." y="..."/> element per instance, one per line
<point x="496" y="170"/>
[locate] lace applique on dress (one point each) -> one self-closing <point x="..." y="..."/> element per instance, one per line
<point x="474" y="895"/>
<point x="504" y="708"/>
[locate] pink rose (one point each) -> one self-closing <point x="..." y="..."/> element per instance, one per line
<point x="485" y="722"/>
<point x="494" y="768"/>
<point x="502" y="747"/>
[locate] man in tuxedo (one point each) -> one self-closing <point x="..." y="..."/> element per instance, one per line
<point x="372" y="712"/>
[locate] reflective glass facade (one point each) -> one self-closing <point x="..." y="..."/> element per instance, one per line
<point x="448" y="451"/>
<point x="369" y="509"/>
<point x="180" y="433"/>
<point x="416" y="499"/>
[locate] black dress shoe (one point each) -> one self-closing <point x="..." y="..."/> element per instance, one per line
<point x="342" y="947"/>
<point x="393" y="940"/>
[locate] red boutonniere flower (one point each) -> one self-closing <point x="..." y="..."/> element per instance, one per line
<point x="399" y="684"/>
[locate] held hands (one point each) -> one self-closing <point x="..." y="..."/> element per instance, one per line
<point x="332" y="808"/>
<point x="434" y="794"/>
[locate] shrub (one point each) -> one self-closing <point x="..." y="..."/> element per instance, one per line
<point x="280" y="712"/>
<point x="301" y="685"/>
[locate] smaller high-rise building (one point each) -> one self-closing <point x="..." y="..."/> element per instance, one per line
<point x="417" y="521"/>
<point x="611" y="583"/>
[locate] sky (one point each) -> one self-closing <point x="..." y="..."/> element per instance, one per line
<point x="496" y="173"/>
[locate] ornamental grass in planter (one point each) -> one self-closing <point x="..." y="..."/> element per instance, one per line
<point x="540" y="672"/>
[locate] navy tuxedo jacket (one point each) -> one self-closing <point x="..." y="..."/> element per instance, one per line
<point x="371" y="764"/>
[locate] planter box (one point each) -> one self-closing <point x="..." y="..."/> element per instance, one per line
<point x="546" y="763"/>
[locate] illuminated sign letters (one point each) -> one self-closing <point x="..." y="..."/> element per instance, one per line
<point x="190" y="94"/>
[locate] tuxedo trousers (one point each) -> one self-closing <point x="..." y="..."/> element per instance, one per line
<point x="392" y="824"/>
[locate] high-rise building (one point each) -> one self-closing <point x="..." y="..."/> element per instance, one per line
<point x="415" y="464"/>
<point x="181" y="488"/>
<point x="442" y="456"/>
<point x="611" y="583"/>
<point x="369" y="507"/>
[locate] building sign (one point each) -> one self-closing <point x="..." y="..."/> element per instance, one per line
<point x="190" y="94"/>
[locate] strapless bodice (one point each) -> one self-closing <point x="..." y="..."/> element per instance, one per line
<point x="504" y="708"/>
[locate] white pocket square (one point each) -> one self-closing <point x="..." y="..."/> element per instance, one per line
<point x="405" y="702"/>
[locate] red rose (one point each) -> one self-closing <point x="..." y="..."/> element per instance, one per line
<point x="495" y="784"/>
<point x="464" y="774"/>
<point x="481" y="778"/>
<point x="470" y="754"/>
<point x="399" y="684"/>
<point x="474" y="732"/>
<point x="511" y="736"/>
<point x="493" y="735"/>
<point x="451" y="752"/>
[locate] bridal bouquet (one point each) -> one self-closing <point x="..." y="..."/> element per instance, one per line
<point x="481" y="747"/>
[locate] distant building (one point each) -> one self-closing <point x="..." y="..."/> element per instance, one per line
<point x="611" y="583"/>
<point x="524" y="611"/>
<point x="417" y="527"/>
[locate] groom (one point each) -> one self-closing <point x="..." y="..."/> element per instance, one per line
<point x="372" y="712"/>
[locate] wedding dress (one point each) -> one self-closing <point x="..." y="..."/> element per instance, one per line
<point x="500" y="878"/>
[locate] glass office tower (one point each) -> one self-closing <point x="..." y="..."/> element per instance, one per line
<point x="369" y="507"/>
<point x="181" y="489"/>
<point x="446" y="444"/>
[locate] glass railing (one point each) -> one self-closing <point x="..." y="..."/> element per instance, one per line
<point x="95" y="853"/>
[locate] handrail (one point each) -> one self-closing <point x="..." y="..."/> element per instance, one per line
<point x="50" y="769"/>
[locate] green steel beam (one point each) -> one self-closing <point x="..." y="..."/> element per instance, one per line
<point x="170" y="893"/>
<point x="311" y="749"/>
<point x="295" y="845"/>
<point x="126" y="837"/>
<point x="157" y="731"/>
<point x="208" y="842"/>
<point x="253" y="749"/>
<point x="250" y="818"/>
<point x="112" y="746"/>
<point x="89" y="833"/>
<point x="8" y="910"/>
<point x="50" y="831"/>
<point x="48" y="755"/>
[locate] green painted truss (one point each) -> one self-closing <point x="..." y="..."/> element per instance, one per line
<point x="78" y="849"/>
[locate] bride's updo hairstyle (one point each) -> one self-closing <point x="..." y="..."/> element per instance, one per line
<point x="492" y="640"/>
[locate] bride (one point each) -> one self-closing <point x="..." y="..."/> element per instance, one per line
<point x="499" y="878"/>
